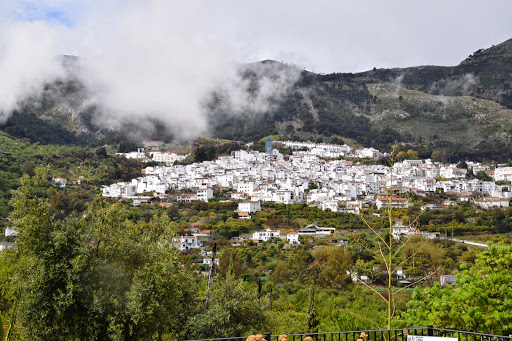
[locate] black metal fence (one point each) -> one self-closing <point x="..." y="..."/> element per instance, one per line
<point x="378" y="335"/>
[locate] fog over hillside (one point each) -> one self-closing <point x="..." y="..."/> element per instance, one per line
<point x="165" y="70"/>
<point x="148" y="62"/>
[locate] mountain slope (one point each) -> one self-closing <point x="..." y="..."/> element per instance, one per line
<point x="464" y="110"/>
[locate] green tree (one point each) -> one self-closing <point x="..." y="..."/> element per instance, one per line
<point x="462" y="164"/>
<point x="231" y="311"/>
<point x="436" y="156"/>
<point x="101" y="151"/>
<point x="98" y="277"/>
<point x="389" y="249"/>
<point x="400" y="156"/>
<point x="481" y="302"/>
<point x="483" y="176"/>
<point x="412" y="154"/>
<point x="127" y="146"/>
<point x="28" y="167"/>
<point x="330" y="267"/>
<point x="312" y="318"/>
<point x="235" y="266"/>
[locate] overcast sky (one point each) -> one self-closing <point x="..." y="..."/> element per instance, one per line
<point x="322" y="35"/>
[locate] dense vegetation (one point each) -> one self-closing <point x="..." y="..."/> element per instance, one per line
<point x="31" y="128"/>
<point x="92" y="168"/>
<point x="95" y="269"/>
<point x="107" y="271"/>
<point x="480" y="301"/>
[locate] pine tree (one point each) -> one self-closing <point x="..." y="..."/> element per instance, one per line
<point x="312" y="318"/>
<point x="1" y="329"/>
<point x="232" y="268"/>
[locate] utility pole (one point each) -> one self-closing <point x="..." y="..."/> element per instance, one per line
<point x="212" y="269"/>
<point x="270" y="298"/>
<point x="259" y="287"/>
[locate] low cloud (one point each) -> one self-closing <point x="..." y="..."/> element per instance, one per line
<point x="455" y="86"/>
<point x="444" y="102"/>
<point x="465" y="83"/>
<point x="27" y="62"/>
<point x="151" y="61"/>
<point x="257" y="87"/>
<point x="398" y="83"/>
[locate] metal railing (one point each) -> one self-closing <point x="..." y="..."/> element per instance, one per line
<point x="467" y="336"/>
<point x="378" y="335"/>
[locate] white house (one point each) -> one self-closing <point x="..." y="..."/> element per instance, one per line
<point x="503" y="173"/>
<point x="490" y="202"/>
<point x="238" y="196"/>
<point x="400" y="230"/>
<point x="224" y="180"/>
<point x="331" y="205"/>
<point x="6" y="245"/>
<point x="283" y="197"/>
<point x="396" y="202"/>
<point x="120" y="189"/>
<point x="264" y="236"/>
<point x="313" y="230"/>
<point x="292" y="238"/>
<point x="238" y="241"/>
<point x="168" y="158"/>
<point x="446" y="280"/>
<point x="246" y="187"/>
<point x="208" y="261"/>
<point x="452" y="172"/>
<point x="246" y="208"/>
<point x="9" y="232"/>
<point x="187" y="242"/>
<point x="399" y="275"/>
<point x="60" y="182"/>
<point x="188" y="197"/>
<point x="480" y="168"/>
<point x="139" y="154"/>
<point x="368" y="153"/>
<point x="204" y="194"/>
<point x="353" y="206"/>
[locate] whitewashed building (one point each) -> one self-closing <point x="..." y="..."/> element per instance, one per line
<point x="292" y="238"/>
<point x="265" y="236"/>
<point x="246" y="208"/>
<point x="204" y="194"/>
<point x="383" y="201"/>
<point x="187" y="242"/>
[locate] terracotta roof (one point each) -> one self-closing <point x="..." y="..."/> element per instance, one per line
<point x="393" y="199"/>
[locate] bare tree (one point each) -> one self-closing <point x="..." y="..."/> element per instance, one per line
<point x="390" y="249"/>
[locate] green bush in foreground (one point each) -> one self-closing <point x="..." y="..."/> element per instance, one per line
<point x="481" y="301"/>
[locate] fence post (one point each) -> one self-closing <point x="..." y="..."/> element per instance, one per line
<point x="430" y="330"/>
<point x="268" y="335"/>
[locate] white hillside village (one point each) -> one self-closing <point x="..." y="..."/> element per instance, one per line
<point x="316" y="175"/>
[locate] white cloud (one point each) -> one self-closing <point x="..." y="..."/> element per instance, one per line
<point x="160" y="59"/>
<point x="27" y="61"/>
<point x="151" y="60"/>
<point x="155" y="62"/>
